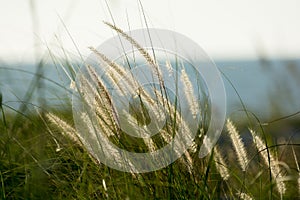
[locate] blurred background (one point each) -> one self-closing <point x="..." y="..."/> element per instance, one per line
<point x="254" y="43"/>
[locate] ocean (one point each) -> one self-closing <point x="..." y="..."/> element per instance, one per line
<point x="266" y="87"/>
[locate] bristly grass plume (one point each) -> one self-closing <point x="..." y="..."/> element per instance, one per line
<point x="74" y="170"/>
<point x="238" y="145"/>
<point x="271" y="161"/>
<point x="44" y="156"/>
<point x="102" y="103"/>
<point x="221" y="165"/>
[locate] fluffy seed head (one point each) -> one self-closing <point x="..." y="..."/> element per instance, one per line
<point x="244" y="196"/>
<point x="237" y="144"/>
<point x="274" y="167"/>
<point x="67" y="130"/>
<point x="188" y="90"/>
<point x="221" y="165"/>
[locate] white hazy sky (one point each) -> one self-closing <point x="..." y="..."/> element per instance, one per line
<point x="225" y="29"/>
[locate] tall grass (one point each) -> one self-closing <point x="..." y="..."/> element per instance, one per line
<point x="244" y="164"/>
<point x="217" y="176"/>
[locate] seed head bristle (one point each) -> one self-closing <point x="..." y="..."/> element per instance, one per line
<point x="298" y="168"/>
<point x="221" y="164"/>
<point x="244" y="196"/>
<point x="67" y="130"/>
<point x="188" y="90"/>
<point x="142" y="51"/>
<point x="99" y="100"/>
<point x="116" y="73"/>
<point x="169" y="67"/>
<point x="93" y="133"/>
<point x="150" y="144"/>
<point x="110" y="63"/>
<point x="100" y="86"/>
<point x="238" y="145"/>
<point x="184" y="129"/>
<point x="274" y="167"/>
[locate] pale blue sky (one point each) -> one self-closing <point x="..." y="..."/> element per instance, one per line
<point x="225" y="29"/>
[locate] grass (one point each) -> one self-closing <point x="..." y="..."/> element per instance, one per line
<point x="33" y="167"/>
<point x="43" y="157"/>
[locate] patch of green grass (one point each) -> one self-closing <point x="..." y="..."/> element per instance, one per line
<point x="39" y="161"/>
<point x="32" y="168"/>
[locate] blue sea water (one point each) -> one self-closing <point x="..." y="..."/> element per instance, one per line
<point x="265" y="87"/>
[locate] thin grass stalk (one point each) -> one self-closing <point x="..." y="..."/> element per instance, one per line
<point x="274" y="167"/>
<point x="298" y="169"/>
<point x="184" y="128"/>
<point x="99" y="105"/>
<point x="142" y="51"/>
<point x="104" y="108"/>
<point x="221" y="164"/>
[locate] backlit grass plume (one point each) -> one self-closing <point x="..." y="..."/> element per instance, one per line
<point x="94" y="92"/>
<point x="271" y="161"/>
<point x="238" y="145"/>
<point x="221" y="165"/>
<point x="100" y="119"/>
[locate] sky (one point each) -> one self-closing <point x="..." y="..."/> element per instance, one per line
<point x="229" y="29"/>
